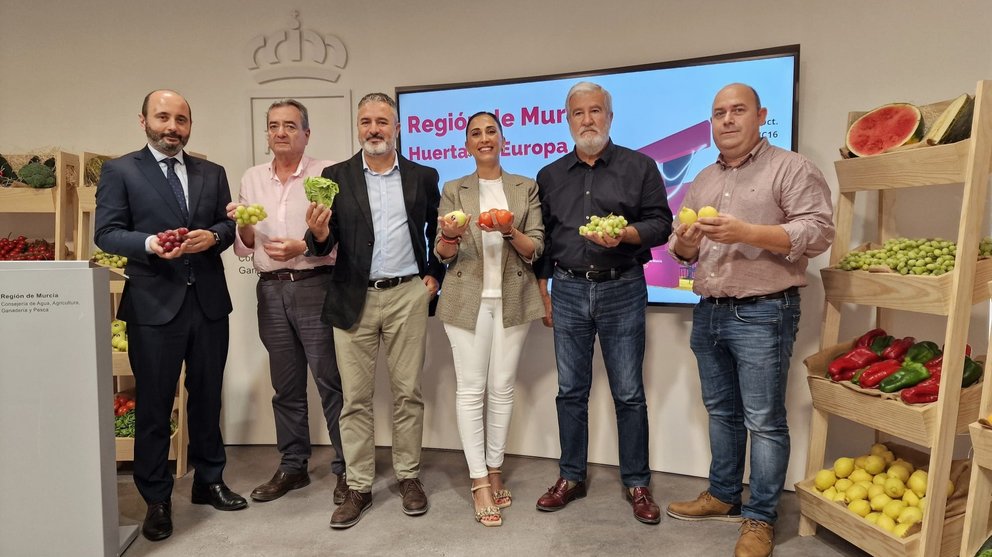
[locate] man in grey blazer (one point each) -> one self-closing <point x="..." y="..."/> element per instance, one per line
<point x="383" y="283"/>
<point x="176" y="303"/>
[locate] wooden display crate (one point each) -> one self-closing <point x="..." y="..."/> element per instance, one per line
<point x="920" y="293"/>
<point x="931" y="165"/>
<point x="125" y="445"/>
<point x="21" y="198"/>
<point x="981" y="443"/>
<point x="869" y="537"/>
<point x="85" y="202"/>
<point x="916" y="423"/>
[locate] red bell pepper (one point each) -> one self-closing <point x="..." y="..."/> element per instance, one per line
<point x="866" y="339"/>
<point x="898" y="348"/>
<point x="878" y="371"/>
<point x="934" y="366"/>
<point x="850" y="362"/>
<point x="922" y="393"/>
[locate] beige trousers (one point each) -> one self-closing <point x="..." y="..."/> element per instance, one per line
<point x="397" y="317"/>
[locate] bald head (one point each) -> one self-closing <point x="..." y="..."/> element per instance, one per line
<point x="157" y="93"/>
<point x="165" y="117"/>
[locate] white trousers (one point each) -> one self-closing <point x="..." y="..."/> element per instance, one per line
<point x="485" y="370"/>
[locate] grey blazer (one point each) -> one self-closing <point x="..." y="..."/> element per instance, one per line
<point x="462" y="293"/>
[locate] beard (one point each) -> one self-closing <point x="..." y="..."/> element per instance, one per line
<point x="376" y="149"/>
<point x="158" y="141"/>
<point x="592" y="145"/>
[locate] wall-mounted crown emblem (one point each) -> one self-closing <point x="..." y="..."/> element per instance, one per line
<point x="296" y="53"/>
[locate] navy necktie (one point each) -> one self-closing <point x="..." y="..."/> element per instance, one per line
<point x="177" y="188"/>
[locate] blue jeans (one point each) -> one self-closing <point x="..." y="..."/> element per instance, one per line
<point x="615" y="310"/>
<point x="743" y="353"/>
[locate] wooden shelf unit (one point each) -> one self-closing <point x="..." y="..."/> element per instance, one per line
<point x="84" y="200"/>
<point x="21" y="198"/>
<point x="934" y="425"/>
<point x="976" y="526"/>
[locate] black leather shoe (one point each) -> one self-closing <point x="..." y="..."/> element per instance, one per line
<point x="158" y="521"/>
<point x="280" y="484"/>
<point x="219" y="496"/>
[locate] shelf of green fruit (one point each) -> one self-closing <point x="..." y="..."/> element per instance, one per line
<point x="903" y="274"/>
<point x="880" y="498"/>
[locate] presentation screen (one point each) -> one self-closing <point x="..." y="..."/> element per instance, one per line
<point x="661" y="110"/>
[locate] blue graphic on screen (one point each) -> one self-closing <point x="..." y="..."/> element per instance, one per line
<point x="662" y="112"/>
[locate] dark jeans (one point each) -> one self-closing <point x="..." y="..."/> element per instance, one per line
<point x="615" y="311"/>
<point x="743" y="353"/>
<point x="290" y="328"/>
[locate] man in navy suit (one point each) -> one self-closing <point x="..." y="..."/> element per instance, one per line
<point x="175" y="303"/>
<point x="383" y="285"/>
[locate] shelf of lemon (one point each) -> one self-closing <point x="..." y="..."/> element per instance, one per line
<point x="880" y="488"/>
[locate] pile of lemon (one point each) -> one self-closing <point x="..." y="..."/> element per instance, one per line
<point x="884" y="490"/>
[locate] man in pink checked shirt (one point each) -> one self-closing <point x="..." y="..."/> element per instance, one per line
<point x="291" y="290"/>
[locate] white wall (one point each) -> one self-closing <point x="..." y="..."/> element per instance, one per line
<point x="73" y="75"/>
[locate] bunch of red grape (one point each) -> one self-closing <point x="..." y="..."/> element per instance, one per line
<point x="172" y="239"/>
<point x="19" y="249"/>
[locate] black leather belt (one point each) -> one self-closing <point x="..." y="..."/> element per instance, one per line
<point x="596" y="275"/>
<point x="791" y="291"/>
<point x="295" y="275"/>
<point x="386" y="283"/>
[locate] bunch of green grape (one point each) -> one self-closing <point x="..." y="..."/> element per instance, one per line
<point x="905" y="256"/>
<point x="109" y="260"/>
<point x="610" y="224"/>
<point x="250" y="214"/>
<point x="985" y="247"/>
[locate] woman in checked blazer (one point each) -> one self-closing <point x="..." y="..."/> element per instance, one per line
<point x="490" y="297"/>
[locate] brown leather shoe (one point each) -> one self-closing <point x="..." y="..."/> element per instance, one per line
<point x="560" y="495"/>
<point x="280" y="484"/>
<point x="757" y="539"/>
<point x="645" y="509"/>
<point x="705" y="507"/>
<point x="414" y="498"/>
<point x="351" y="510"/>
<point x="340" y="488"/>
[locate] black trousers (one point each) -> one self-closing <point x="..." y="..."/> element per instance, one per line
<point x="157" y="353"/>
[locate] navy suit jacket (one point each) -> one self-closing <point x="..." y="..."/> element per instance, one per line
<point x="351" y="229"/>
<point x="133" y="201"/>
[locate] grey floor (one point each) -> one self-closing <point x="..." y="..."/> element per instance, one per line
<point x="297" y="524"/>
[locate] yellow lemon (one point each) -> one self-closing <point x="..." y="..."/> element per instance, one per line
<point x="886" y="523"/>
<point x="899" y="470"/>
<point x="878" y="449"/>
<point x="878" y="502"/>
<point x="910" y="498"/>
<point x="874" y="464"/>
<point x="830" y="492"/>
<point x="843" y="466"/>
<point x="708" y="211"/>
<point x="888" y="456"/>
<point x="860" y="507"/>
<point x="859" y="475"/>
<point x="910" y="515"/>
<point x="894" y="488"/>
<point x="879" y="479"/>
<point x="950" y="488"/>
<point x="855" y="493"/>
<point x="900" y="530"/>
<point x="824" y="479"/>
<point x="875" y="490"/>
<point x="860" y="461"/>
<point x="840" y="497"/>
<point x="687" y="216"/>
<point x="842" y="484"/>
<point x="893" y="508"/>
<point x="918" y="482"/>
<point x="873" y="517"/>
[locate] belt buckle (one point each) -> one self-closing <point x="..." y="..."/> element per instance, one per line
<point x="281" y="275"/>
<point x="375" y="284"/>
<point x="588" y="276"/>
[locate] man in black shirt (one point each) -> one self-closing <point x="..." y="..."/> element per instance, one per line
<point x="599" y="288"/>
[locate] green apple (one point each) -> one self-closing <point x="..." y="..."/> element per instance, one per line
<point x="458" y="217"/>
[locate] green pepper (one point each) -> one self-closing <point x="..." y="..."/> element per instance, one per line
<point x="922" y="352"/>
<point x="908" y="375"/>
<point x="972" y="372"/>
<point x="880" y="343"/>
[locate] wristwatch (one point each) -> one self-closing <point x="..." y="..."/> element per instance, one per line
<point x="216" y="237"/>
<point x="306" y="252"/>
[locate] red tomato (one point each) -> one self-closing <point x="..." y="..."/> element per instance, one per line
<point x="129" y="405"/>
<point x="486" y="219"/>
<point x="504" y="217"/>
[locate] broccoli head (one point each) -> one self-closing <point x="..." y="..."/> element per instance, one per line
<point x="37" y="175"/>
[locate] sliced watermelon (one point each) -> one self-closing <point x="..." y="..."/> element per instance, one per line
<point x="954" y="124"/>
<point x="884" y="128"/>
